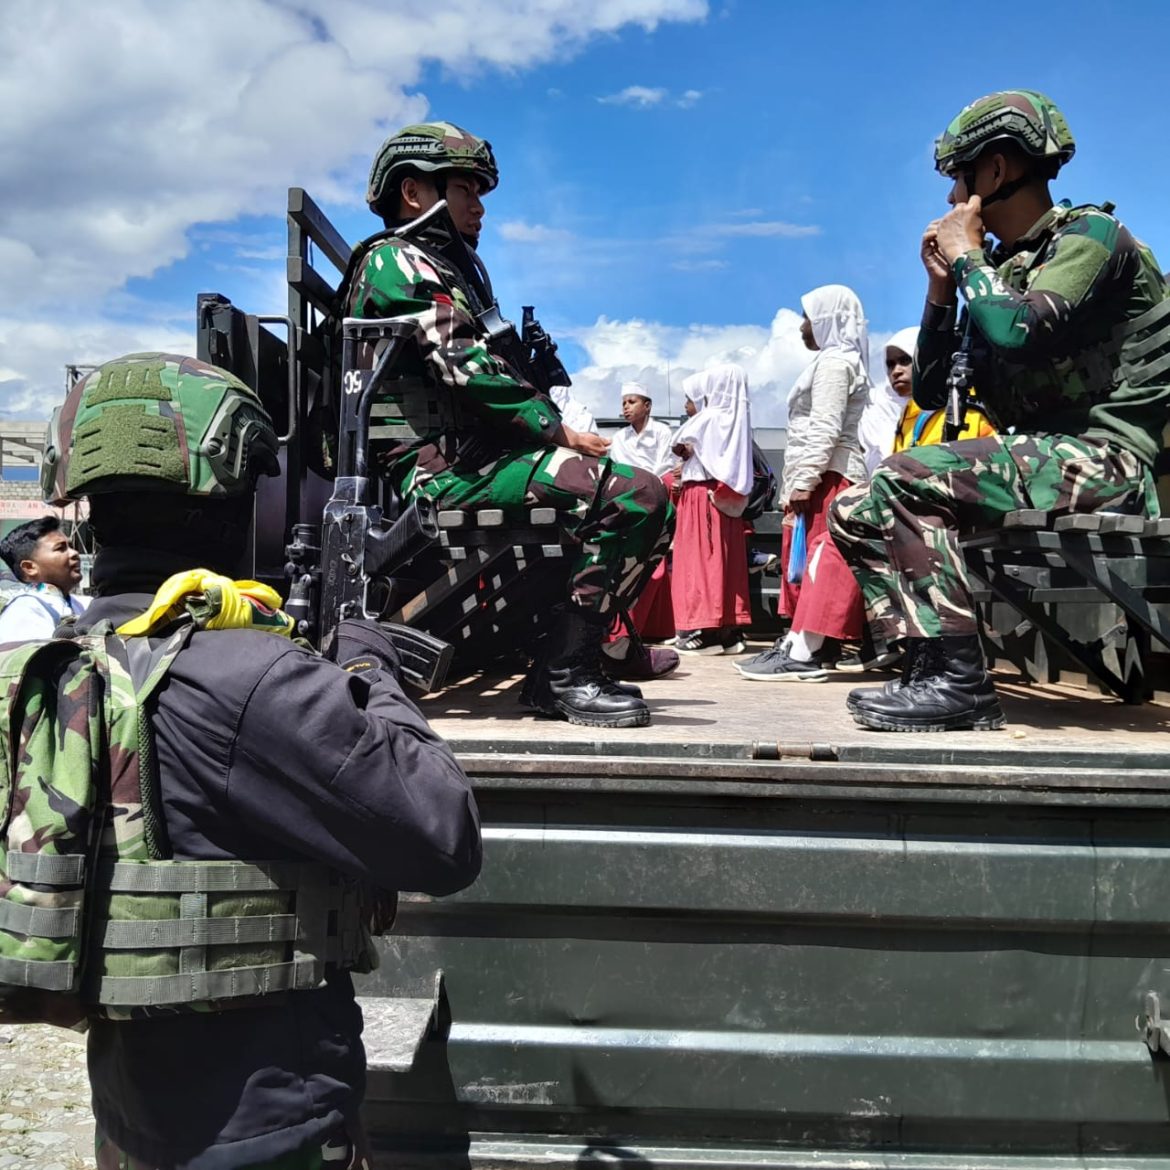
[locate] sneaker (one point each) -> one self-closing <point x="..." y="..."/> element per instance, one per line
<point x="776" y="665"/>
<point x="866" y="659"/>
<point x="760" y="561"/>
<point x="731" y="640"/>
<point x="697" y="642"/>
<point x="763" y="654"/>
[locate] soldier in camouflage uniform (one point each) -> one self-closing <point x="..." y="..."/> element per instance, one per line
<point x="503" y="443"/>
<point x="262" y="752"/>
<point x="1068" y="329"/>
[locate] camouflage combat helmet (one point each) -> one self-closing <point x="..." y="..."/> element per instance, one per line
<point x="157" y="422"/>
<point x="431" y="147"/>
<point x="1022" y="116"/>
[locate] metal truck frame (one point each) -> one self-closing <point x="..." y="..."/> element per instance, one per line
<point x="754" y="934"/>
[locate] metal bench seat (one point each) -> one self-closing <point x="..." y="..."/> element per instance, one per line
<point x="493" y="581"/>
<point x="1043" y="566"/>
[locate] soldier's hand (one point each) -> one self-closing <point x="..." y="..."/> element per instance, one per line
<point x="942" y="284"/>
<point x="360" y="644"/>
<point x="961" y="229"/>
<point x="584" y="442"/>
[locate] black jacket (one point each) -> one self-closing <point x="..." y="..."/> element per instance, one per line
<point x="266" y="751"/>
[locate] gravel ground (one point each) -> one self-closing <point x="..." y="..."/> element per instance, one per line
<point x="45" y="1121"/>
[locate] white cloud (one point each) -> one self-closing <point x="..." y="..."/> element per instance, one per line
<point x="641" y="96"/>
<point x="767" y="229"/>
<point x="700" y="265"/>
<point x="518" y="232"/>
<point x="36" y="354"/>
<point x="661" y="356"/>
<point x="155" y="121"/>
<point x="712" y="237"/>
<point x="645" y="97"/>
<point x="652" y="353"/>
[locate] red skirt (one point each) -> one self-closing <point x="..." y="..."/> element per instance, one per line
<point x="652" y="613"/>
<point x="827" y="601"/>
<point x="710" y="572"/>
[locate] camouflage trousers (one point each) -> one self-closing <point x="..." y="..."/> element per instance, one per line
<point x="621" y="515"/>
<point x="900" y="532"/>
<point x="336" y="1153"/>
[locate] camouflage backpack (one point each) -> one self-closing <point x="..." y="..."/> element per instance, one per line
<point x="94" y="917"/>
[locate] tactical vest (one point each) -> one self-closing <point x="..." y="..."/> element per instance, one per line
<point x="415" y="406"/>
<point x="1136" y="352"/>
<point x="94" y="920"/>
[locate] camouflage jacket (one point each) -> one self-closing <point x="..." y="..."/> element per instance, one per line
<point x="415" y="280"/>
<point x="1066" y="329"/>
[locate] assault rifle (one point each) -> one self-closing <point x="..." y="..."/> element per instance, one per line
<point x="337" y="567"/>
<point x="960" y="385"/>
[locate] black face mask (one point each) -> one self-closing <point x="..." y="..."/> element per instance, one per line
<point x="182" y="533"/>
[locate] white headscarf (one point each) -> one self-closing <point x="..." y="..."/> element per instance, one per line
<point x="839" y="329"/>
<point x="721" y="431"/>
<point x="880" y="419"/>
<point x="838" y="321"/>
<point x="696" y="390"/>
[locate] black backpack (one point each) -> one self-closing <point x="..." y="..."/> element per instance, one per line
<point x="762" y="495"/>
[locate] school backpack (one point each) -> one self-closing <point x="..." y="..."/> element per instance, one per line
<point x="762" y="494"/>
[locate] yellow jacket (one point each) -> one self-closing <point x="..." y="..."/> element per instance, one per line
<point x="919" y="428"/>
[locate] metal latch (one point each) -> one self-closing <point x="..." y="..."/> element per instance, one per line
<point x="1155" y="1028"/>
<point x="818" y="752"/>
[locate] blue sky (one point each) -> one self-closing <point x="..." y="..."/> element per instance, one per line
<point x="675" y="173"/>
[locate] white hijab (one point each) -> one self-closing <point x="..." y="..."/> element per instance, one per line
<point x="721" y="431"/>
<point x="880" y="419"/>
<point x="839" y="329"/>
<point x="696" y="390"/>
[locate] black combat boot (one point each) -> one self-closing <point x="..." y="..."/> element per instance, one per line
<point x="948" y="690"/>
<point x="567" y="681"/>
<point x="909" y="661"/>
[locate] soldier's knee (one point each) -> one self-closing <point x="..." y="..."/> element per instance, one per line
<point x="648" y="493"/>
<point x="843" y="507"/>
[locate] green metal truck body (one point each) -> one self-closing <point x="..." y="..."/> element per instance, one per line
<point x="934" y="953"/>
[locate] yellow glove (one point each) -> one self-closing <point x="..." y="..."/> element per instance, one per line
<point x="215" y="603"/>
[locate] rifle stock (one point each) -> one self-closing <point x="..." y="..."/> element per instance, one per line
<point x="332" y="567"/>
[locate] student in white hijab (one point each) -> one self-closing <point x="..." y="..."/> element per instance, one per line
<point x="880" y="419"/>
<point x="822" y="458"/>
<point x="710" y="591"/>
<point x="825" y="404"/>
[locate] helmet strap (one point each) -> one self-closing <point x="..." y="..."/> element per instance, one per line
<point x="1008" y="189"/>
<point x="440" y="181"/>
